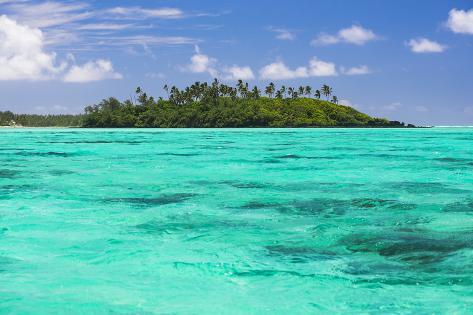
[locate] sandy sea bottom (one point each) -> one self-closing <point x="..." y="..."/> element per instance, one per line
<point x="236" y="221"/>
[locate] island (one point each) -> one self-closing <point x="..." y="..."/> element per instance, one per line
<point x="214" y="105"/>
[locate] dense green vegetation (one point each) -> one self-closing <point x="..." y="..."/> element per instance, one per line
<point x="203" y="105"/>
<point x="28" y="120"/>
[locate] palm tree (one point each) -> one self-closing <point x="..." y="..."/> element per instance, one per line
<point x="283" y="91"/>
<point x="166" y="88"/>
<point x="224" y="89"/>
<point x="246" y="89"/>
<point x="308" y="91"/>
<point x="267" y="91"/>
<point x="193" y="91"/>
<point x="334" y="99"/>
<point x="326" y="91"/>
<point x="174" y="95"/>
<point x="256" y="92"/>
<point x="233" y="93"/>
<point x="272" y="88"/>
<point x="290" y="91"/>
<point x="301" y="90"/>
<point x="142" y="97"/>
<point x="240" y="87"/>
<point x="317" y="94"/>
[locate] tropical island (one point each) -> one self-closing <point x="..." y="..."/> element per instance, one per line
<point x="214" y="105"/>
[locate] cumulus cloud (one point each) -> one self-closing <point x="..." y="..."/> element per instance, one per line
<point x="201" y="63"/>
<point x="360" y="70"/>
<point x="22" y="54"/>
<point x="424" y="45"/>
<point x="97" y="70"/>
<point x="319" y="68"/>
<point x="356" y="35"/>
<point x="279" y="71"/>
<point x="460" y="21"/>
<point x="353" y="35"/>
<point x="238" y="73"/>
<point x="23" y="57"/>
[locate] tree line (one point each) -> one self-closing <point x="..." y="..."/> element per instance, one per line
<point x="213" y="105"/>
<point x="202" y="91"/>
<point x="206" y="105"/>
<point x="8" y="118"/>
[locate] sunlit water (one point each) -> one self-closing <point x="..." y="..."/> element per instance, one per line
<point x="236" y="221"/>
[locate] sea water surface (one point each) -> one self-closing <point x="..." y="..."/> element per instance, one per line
<point x="242" y="221"/>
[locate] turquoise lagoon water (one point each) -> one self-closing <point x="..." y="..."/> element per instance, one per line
<point x="240" y="221"/>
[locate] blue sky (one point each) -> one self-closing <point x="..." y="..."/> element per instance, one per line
<point x="404" y="60"/>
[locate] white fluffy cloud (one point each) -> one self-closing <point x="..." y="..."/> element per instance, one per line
<point x="353" y="35"/>
<point x="201" y="63"/>
<point x="279" y="71"/>
<point x="424" y="45"/>
<point x="360" y="70"/>
<point x="319" y="68"/>
<point x="92" y="71"/>
<point x="356" y="35"/>
<point x="460" y="21"/>
<point x="22" y="55"/>
<point x="238" y="73"/>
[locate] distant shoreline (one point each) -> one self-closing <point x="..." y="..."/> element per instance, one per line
<point x="22" y="127"/>
<point x="216" y="105"/>
<point x="249" y="127"/>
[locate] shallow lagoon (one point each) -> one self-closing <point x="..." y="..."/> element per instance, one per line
<point x="236" y="221"/>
